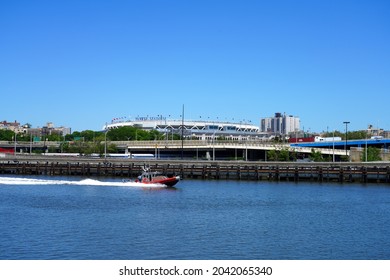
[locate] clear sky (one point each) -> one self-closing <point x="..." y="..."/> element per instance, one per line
<point x="81" y="63"/>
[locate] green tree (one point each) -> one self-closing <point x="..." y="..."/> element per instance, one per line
<point x="284" y="154"/>
<point x="373" y="154"/>
<point x="6" y="135"/>
<point x="281" y="155"/>
<point x="316" y="156"/>
<point x="90" y="135"/>
<point x="344" y="158"/>
<point x="272" y="155"/>
<point x="54" y="137"/>
<point x="126" y="133"/>
<point x="73" y="136"/>
<point x="293" y="155"/>
<point x="123" y="133"/>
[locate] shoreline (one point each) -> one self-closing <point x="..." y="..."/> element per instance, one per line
<point x="371" y="172"/>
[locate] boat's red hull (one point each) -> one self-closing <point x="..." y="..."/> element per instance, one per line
<point x="170" y="181"/>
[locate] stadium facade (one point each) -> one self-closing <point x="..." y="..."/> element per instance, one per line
<point x="199" y="129"/>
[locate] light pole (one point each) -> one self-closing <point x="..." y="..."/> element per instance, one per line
<point x="346" y="137"/>
<point x="30" y="143"/>
<point x="105" y="143"/>
<point x="15" y="145"/>
<point x="246" y="150"/>
<point x="213" y="141"/>
<point x="366" y="151"/>
<point x="333" y="147"/>
<point x="62" y="144"/>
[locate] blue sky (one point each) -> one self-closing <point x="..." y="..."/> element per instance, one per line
<point x="82" y="63"/>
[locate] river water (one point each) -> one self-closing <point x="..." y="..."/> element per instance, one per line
<point x="70" y="218"/>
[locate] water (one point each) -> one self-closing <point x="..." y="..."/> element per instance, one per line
<point x="67" y="219"/>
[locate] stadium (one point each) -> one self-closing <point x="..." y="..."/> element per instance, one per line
<point x="199" y="129"/>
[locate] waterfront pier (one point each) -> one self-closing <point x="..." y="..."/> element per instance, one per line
<point x="378" y="172"/>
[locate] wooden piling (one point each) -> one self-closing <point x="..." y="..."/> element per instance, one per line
<point x="388" y="174"/>
<point x="364" y="174"/>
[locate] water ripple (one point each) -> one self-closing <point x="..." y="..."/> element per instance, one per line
<point x="200" y="220"/>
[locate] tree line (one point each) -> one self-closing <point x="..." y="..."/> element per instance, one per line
<point x="118" y="134"/>
<point x="133" y="134"/>
<point x="91" y="142"/>
<point x="88" y="141"/>
<point x="352" y="135"/>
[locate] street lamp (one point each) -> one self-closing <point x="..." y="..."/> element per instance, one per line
<point x="15" y="144"/>
<point x="346" y="136"/>
<point x="213" y="141"/>
<point x="31" y="143"/>
<point x="333" y="148"/>
<point x="105" y="144"/>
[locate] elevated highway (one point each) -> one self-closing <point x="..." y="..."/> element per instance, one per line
<point x="192" y="145"/>
<point x="251" y="150"/>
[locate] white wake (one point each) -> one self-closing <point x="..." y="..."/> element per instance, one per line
<point x="84" y="182"/>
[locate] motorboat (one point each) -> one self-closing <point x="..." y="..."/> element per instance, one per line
<point x="150" y="177"/>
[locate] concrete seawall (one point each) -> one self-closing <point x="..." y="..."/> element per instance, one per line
<point x="378" y="172"/>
